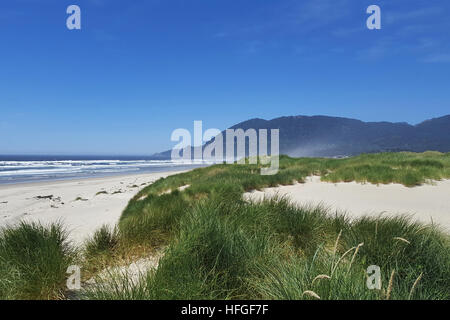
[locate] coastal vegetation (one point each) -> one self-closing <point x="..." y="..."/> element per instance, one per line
<point x="33" y="261"/>
<point x="220" y="246"/>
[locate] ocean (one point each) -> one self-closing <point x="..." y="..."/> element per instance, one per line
<point x="22" y="169"/>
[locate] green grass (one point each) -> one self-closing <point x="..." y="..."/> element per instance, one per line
<point x="157" y="221"/>
<point x="33" y="261"/>
<point x="103" y="241"/>
<point x="153" y="215"/>
<point x="409" y="169"/>
<point x="237" y="250"/>
<point x="219" y="246"/>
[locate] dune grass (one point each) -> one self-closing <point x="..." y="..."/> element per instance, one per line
<point x="222" y="247"/>
<point x="274" y="250"/>
<point x="153" y="214"/>
<point x="103" y="241"/>
<point x="409" y="169"/>
<point x="33" y="261"/>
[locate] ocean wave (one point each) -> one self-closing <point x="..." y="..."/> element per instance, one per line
<point x="59" y="169"/>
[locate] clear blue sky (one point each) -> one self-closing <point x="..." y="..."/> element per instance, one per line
<point x="139" y="69"/>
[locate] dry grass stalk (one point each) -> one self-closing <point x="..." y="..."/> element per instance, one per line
<point x="340" y="259"/>
<point x="391" y="283"/>
<point x="337" y="242"/>
<point x="402" y="239"/>
<point x="320" y="276"/>
<point x="414" y="285"/>
<point x="354" y="255"/>
<point x="311" y="294"/>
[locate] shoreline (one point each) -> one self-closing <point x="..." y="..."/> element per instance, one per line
<point x="83" y="179"/>
<point x="82" y="205"/>
<point x="181" y="168"/>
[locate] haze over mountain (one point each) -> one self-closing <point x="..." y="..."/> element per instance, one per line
<point x="324" y="136"/>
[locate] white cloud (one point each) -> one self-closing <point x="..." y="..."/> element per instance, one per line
<point x="410" y="16"/>
<point x="438" y="58"/>
<point x="320" y="13"/>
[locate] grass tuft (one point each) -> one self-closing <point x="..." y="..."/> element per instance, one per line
<point x="33" y="261"/>
<point x="103" y="241"/>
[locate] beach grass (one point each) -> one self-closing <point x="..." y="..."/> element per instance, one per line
<point x="103" y="241"/>
<point x="153" y="214"/>
<point x="244" y="250"/>
<point x="206" y="223"/>
<point x="33" y="261"/>
<point x="220" y="246"/>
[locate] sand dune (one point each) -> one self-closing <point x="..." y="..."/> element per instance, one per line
<point x="426" y="203"/>
<point x="82" y="205"/>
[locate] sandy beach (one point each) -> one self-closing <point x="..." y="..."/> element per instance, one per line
<point x="82" y="205"/>
<point x="426" y="203"/>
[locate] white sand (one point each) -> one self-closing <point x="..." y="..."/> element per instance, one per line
<point x="134" y="272"/>
<point x="426" y="203"/>
<point x="81" y="217"/>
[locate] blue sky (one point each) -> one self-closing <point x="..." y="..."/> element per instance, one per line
<point x="139" y="69"/>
